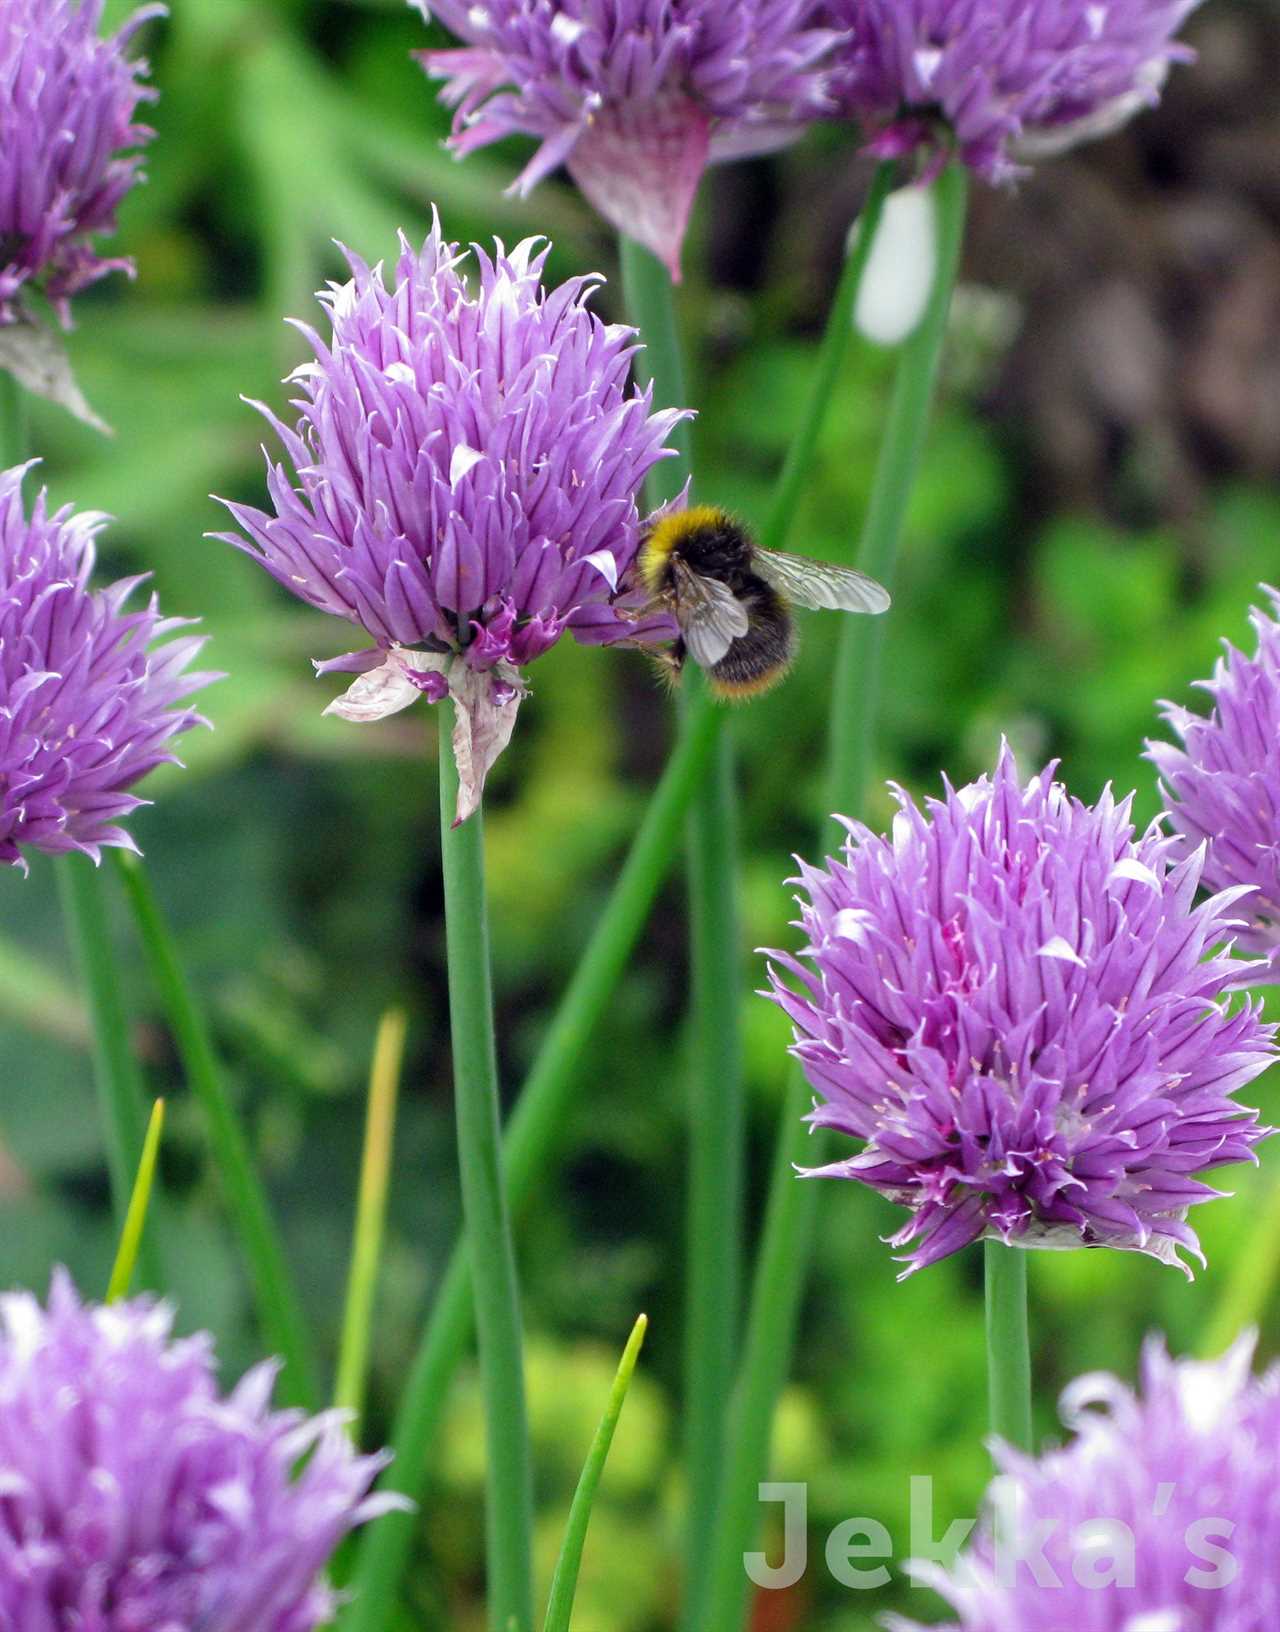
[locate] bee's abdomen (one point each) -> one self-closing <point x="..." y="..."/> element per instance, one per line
<point x="759" y="659"/>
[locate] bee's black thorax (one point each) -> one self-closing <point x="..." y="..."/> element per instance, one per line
<point x="719" y="549"/>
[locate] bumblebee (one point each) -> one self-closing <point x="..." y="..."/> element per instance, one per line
<point x="731" y="598"/>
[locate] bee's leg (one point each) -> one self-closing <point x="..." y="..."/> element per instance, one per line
<point x="668" y="662"/>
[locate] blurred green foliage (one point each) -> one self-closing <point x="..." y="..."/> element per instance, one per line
<point x="297" y="855"/>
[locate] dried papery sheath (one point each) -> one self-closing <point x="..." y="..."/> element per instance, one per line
<point x="1161" y="1515"/>
<point x="1004" y="81"/>
<point x="67" y="138"/>
<point x="136" y="1495"/>
<point x="1222" y="786"/>
<point x="463" y="485"/>
<point x="92" y="693"/>
<point x="636" y="97"/>
<point x="1016" y="1006"/>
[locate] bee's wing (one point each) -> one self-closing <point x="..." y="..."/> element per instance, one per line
<point x="820" y="583"/>
<point x="710" y="615"/>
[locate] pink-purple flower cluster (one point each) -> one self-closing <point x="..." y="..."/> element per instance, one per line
<point x="1222" y="786"/>
<point x="1161" y="1515"/>
<point x="91" y="694"/>
<point x="1018" y="1008"/>
<point x="66" y="127"/>
<point x="134" y="1495"/>
<point x="465" y="477"/>
<point x="636" y="97"/>
<point x="1005" y="80"/>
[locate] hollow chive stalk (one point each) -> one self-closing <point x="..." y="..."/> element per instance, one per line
<point x="1008" y="1348"/>
<point x="792" y="1205"/>
<point x="276" y="1300"/>
<point x="537" y="1127"/>
<point x="713" y="1219"/>
<point x="542" y="1110"/>
<point x="508" y="1482"/>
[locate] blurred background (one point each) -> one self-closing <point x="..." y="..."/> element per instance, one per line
<point x="1099" y="502"/>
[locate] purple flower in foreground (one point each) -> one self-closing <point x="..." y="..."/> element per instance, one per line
<point x="1162" y="1515"/>
<point x="136" y="1496"/>
<point x="1222" y="787"/>
<point x="66" y="114"/>
<point x="86" y="698"/>
<point x="1005" y="79"/>
<point x="636" y="97"/>
<point x="465" y="477"/>
<point x="1015" y="1005"/>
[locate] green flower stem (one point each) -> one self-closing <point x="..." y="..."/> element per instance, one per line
<point x="136" y="1218"/>
<point x="713" y="1220"/>
<point x="121" y="1094"/>
<point x="371" y="1212"/>
<point x="836" y="340"/>
<point x="279" y="1310"/>
<point x="508" y="1481"/>
<point x="536" y="1132"/>
<point x="564" y="1583"/>
<point x="1008" y="1348"/>
<point x="646" y="293"/>
<point x="13" y="422"/>
<point x="790" y="1214"/>
<point x="542" y="1111"/>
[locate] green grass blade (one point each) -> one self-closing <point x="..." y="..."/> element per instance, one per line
<point x="121" y="1094"/>
<point x="371" y="1212"/>
<point x="278" y="1306"/>
<point x="136" y="1218"/>
<point x="564" y="1583"/>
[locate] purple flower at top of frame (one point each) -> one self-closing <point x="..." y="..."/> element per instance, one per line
<point x="1222" y="786"/>
<point x="463" y="485"/>
<point x="636" y="97"/>
<point x="136" y="1495"/>
<point x="1005" y="80"/>
<point x="91" y="692"/>
<point x="1161" y="1515"/>
<point x="1016" y="1006"/>
<point x="66" y="127"/>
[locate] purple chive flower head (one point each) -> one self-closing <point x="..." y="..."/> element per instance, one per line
<point x="1161" y="1515"/>
<point x="91" y="693"/>
<point x="137" y="1496"/>
<point x="636" y="97"/>
<point x="1015" y="1005"/>
<point x="1005" y="80"/>
<point x="464" y="481"/>
<point x="66" y="127"/>
<point x="1222" y="787"/>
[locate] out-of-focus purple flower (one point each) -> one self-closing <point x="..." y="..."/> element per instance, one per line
<point x="87" y="699"/>
<point x="1161" y="1515"/>
<point x="1005" y="80"/>
<point x="66" y="121"/>
<point x="1222" y="787"/>
<point x="1015" y="1004"/>
<point x="465" y="477"/>
<point x="636" y="97"/>
<point x="135" y="1495"/>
